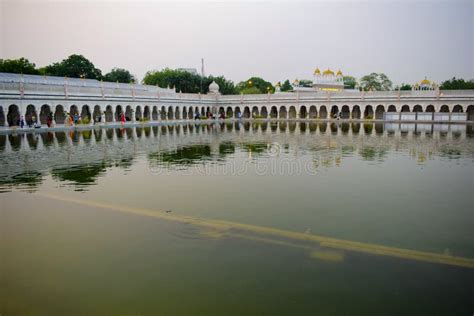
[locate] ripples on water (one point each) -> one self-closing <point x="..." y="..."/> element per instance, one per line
<point x="79" y="158"/>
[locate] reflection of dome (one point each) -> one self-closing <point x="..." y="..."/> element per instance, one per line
<point x="328" y="72"/>
<point x="339" y="72"/>
<point x="317" y="71"/>
<point x="214" y="87"/>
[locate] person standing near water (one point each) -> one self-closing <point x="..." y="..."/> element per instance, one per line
<point x="122" y="118"/>
<point x="49" y="121"/>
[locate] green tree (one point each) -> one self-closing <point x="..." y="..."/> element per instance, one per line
<point x="255" y="82"/>
<point x="376" y="81"/>
<point x="403" y="86"/>
<point x="306" y="83"/>
<point x="119" y="75"/>
<point x="187" y="82"/>
<point x="251" y="90"/>
<point x="18" y="66"/>
<point x="457" y="84"/>
<point x="75" y="66"/>
<point x="349" y="82"/>
<point x="286" y="86"/>
<point x="181" y="80"/>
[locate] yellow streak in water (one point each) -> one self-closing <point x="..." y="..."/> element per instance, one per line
<point x="327" y="242"/>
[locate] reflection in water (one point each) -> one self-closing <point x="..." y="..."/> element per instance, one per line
<point x="80" y="157"/>
<point x="266" y="214"/>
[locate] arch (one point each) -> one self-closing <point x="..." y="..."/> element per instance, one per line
<point x="13" y="115"/>
<point x="379" y="111"/>
<point x="73" y="110"/>
<point x="264" y="112"/>
<point x="313" y="112"/>
<point x="246" y="112"/>
<point x="282" y="113"/>
<point x="97" y="114"/>
<point x="292" y="112"/>
<point x="444" y="109"/>
<point x="170" y="112"/>
<point x="118" y="112"/>
<point x="273" y="112"/>
<point x="405" y="108"/>
<point x="392" y="108"/>
<point x="345" y="112"/>
<point x="146" y="113"/>
<point x="255" y="111"/>
<point x="85" y="113"/>
<point x="177" y="114"/>
<point x="334" y="111"/>
<point x="356" y="112"/>
<point x="45" y="112"/>
<point x="457" y="109"/>
<point x="203" y="112"/>
<point x="368" y="112"/>
<point x="229" y="113"/>
<point x="138" y="113"/>
<point x="2" y="116"/>
<point x="59" y="114"/>
<point x="163" y="113"/>
<point x="430" y="108"/>
<point x="237" y="112"/>
<point x="323" y="112"/>
<point x="303" y="112"/>
<point x="128" y="113"/>
<point x="221" y="113"/>
<point x="470" y="112"/>
<point x="417" y="108"/>
<point x="109" y="114"/>
<point x="208" y="112"/>
<point x="31" y="115"/>
<point x="154" y="113"/>
<point x="184" y="113"/>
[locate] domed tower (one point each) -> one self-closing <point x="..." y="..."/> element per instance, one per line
<point x="278" y="87"/>
<point x="339" y="76"/>
<point x="213" y="88"/>
<point x="328" y="80"/>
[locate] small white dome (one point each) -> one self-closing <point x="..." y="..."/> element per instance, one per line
<point x="214" y="87"/>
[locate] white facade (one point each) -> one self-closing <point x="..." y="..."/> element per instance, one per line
<point x="104" y="102"/>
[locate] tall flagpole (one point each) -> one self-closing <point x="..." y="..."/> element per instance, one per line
<point x="202" y="71"/>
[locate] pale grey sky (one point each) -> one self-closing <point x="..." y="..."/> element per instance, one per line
<point x="274" y="39"/>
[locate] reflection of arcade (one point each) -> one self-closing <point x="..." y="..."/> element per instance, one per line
<point x="186" y="145"/>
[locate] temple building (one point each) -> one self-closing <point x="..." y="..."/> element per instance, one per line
<point x="325" y="81"/>
<point x="328" y="81"/>
<point x="424" y="84"/>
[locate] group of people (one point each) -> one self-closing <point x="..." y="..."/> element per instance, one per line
<point x="31" y="121"/>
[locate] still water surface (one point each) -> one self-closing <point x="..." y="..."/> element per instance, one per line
<point x="92" y="221"/>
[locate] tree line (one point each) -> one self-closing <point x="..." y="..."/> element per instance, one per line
<point x="77" y="66"/>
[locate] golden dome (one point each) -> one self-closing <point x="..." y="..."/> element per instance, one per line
<point x="328" y="72"/>
<point x="339" y="72"/>
<point x="296" y="82"/>
<point x="278" y="84"/>
<point x="425" y="82"/>
<point x="317" y="71"/>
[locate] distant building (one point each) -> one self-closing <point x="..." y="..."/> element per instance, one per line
<point x="328" y="81"/>
<point x="425" y="84"/>
<point x="190" y="70"/>
<point x="325" y="81"/>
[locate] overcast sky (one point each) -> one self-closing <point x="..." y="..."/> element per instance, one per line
<point x="276" y="40"/>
